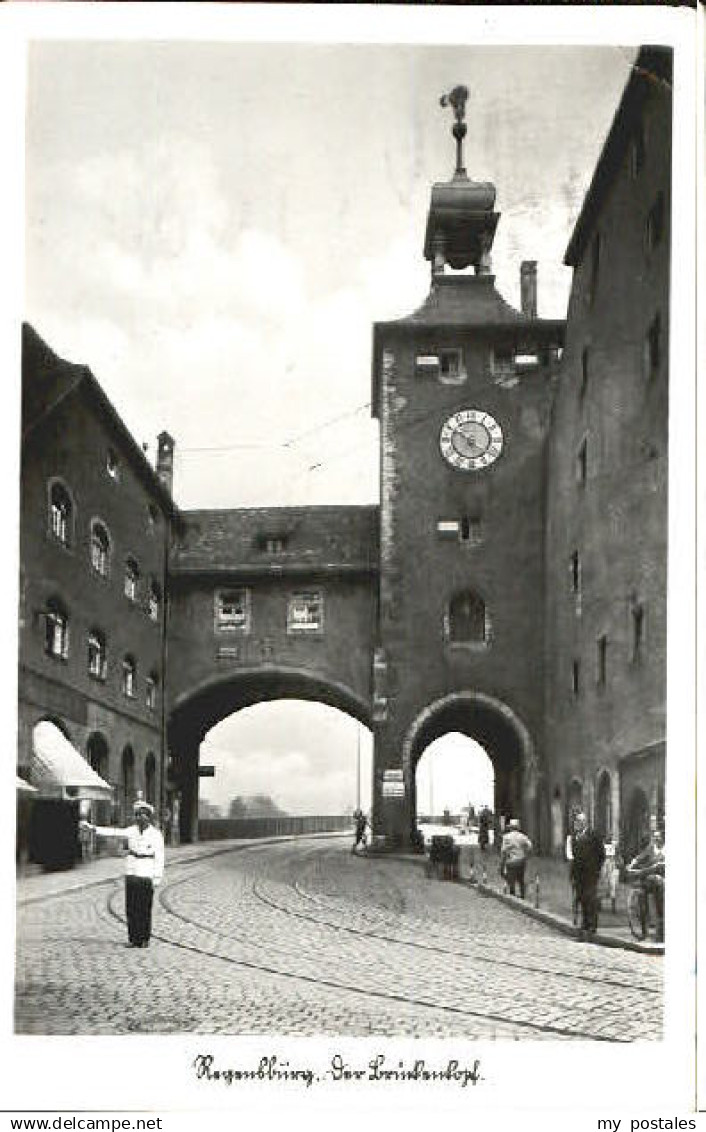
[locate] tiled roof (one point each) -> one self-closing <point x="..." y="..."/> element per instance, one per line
<point x="313" y="538"/>
<point x="463" y="300"/>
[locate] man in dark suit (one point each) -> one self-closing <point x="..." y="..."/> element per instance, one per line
<point x="588" y="855"/>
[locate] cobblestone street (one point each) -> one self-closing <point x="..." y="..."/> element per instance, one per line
<point x="303" y="938"/>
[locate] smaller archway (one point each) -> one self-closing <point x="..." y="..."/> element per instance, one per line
<point x="637" y="826"/>
<point x="574" y="801"/>
<point x="604" y="806"/>
<point x="150" y="778"/>
<point x="127" y="782"/>
<point x="98" y="756"/>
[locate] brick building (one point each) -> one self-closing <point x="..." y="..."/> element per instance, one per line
<point x="511" y="585"/>
<point x="606" y="542"/>
<point x="94" y="525"/>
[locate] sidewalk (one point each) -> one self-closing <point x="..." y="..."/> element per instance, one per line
<point x="548" y="898"/>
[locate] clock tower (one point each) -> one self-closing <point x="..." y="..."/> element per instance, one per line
<point x="462" y="390"/>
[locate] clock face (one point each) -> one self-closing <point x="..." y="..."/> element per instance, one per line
<point x="471" y="440"/>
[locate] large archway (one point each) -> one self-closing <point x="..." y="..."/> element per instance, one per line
<point x="501" y="733"/>
<point x="196" y="714"/>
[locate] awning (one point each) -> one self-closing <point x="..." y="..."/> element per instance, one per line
<point x="58" y="770"/>
<point x="24" y="787"/>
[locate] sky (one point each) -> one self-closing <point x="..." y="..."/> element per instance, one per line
<point x="214" y="227"/>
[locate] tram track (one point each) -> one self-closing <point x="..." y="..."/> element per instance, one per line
<point x="274" y="962"/>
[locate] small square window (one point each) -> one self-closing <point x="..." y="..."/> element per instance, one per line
<point x="471" y="530"/>
<point x="305" y="613"/>
<point x="427" y="365"/>
<point x="233" y="611"/>
<point x="451" y="368"/>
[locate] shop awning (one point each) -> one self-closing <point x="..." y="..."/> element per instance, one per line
<point x="58" y="770"/>
<point x="24" y="787"/>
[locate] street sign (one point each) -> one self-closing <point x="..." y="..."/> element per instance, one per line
<point x="207" y="772"/>
<point x="393" y="784"/>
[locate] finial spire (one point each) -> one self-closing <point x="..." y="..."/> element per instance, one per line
<point x="457" y="99"/>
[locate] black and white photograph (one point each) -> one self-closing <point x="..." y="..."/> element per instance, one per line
<point x="351" y="750"/>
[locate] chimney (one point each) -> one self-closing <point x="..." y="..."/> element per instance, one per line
<point x="528" y="288"/>
<point x="165" y="459"/>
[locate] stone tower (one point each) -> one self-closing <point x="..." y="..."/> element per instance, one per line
<point x="462" y="389"/>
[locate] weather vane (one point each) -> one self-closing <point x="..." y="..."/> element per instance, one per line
<point x="457" y="99"/>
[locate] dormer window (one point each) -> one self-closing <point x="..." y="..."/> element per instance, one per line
<point x="272" y="544"/>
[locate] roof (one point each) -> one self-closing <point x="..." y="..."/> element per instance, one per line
<point x="652" y="70"/>
<point x="47" y="380"/>
<point x="462" y="300"/>
<point x="327" y="539"/>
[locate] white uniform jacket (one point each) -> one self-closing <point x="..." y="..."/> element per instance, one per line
<point x="145" y="849"/>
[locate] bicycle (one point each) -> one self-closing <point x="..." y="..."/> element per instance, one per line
<point x="642" y="912"/>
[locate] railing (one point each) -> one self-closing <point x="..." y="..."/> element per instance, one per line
<point x="222" y="829"/>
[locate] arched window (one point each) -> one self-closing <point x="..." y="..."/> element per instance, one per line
<point x="129" y="676"/>
<point x="97" y="751"/>
<point x="60" y="513"/>
<point x="150" y="778"/>
<point x="604" y="807"/>
<point x="466" y="620"/>
<point x="56" y="629"/>
<point x="132" y="578"/>
<point x="154" y="598"/>
<point x="151" y="690"/>
<point x="100" y="549"/>
<point x="97" y="654"/>
<point x="127" y="782"/>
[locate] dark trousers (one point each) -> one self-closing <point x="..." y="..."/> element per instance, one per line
<point x="587" y="896"/>
<point x="515" y="875"/>
<point x="138" y="909"/>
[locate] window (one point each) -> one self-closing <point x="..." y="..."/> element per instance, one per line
<point x="111" y="464"/>
<point x="153" y="601"/>
<point x="451" y="368"/>
<point x="97" y="654"/>
<point x="60" y="513"/>
<point x="56" y="630"/>
<point x="305" y="612"/>
<point x="129" y="676"/>
<point x="100" y="549"/>
<point x="467" y="530"/>
<point x="132" y="577"/>
<point x="582" y="463"/>
<point x="584" y="371"/>
<point x="233" y="611"/>
<point x="471" y="531"/>
<point x="466" y="621"/>
<point x="654" y="225"/>
<point x="502" y="366"/>
<point x="575" y="570"/>
<point x="443" y="365"/>
<point x="272" y="544"/>
<point x="594" y="267"/>
<point x="602" y="661"/>
<point x="653" y="348"/>
<point x="151" y="691"/>
<point x="150" y="778"/>
<point x="637" y="620"/>
<point x="637" y="152"/>
<point x="576" y="677"/>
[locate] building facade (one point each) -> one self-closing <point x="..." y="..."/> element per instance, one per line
<point x="607" y="482"/>
<point x="511" y="585"/>
<point x="94" y="533"/>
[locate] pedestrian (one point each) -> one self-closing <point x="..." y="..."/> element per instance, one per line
<point x="587" y="857"/>
<point x="483" y="828"/>
<point x="516" y="848"/>
<point x="144" y="867"/>
<point x="361" y="824"/>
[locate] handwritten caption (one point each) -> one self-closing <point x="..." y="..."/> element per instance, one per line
<point x="378" y="1069"/>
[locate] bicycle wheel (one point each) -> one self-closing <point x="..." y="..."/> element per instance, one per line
<point x="637" y="913"/>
